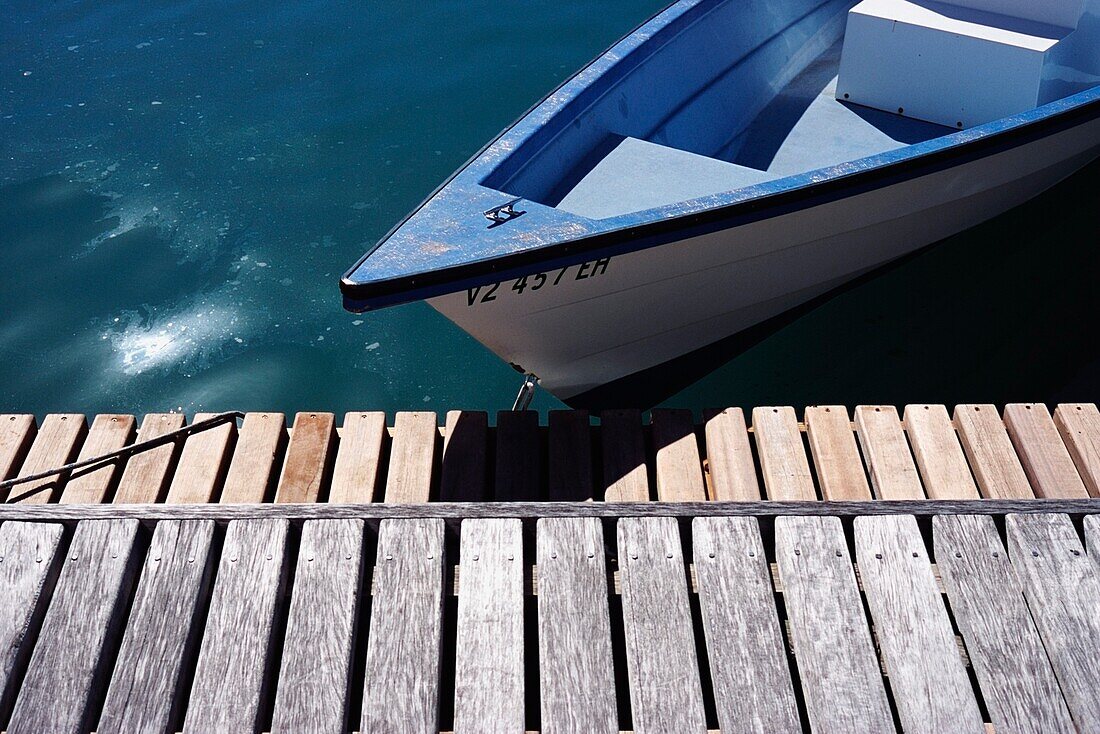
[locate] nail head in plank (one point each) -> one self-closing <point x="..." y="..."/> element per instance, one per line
<point x="782" y="455"/>
<point x="625" y="477"/>
<point x="732" y="469"/>
<point x="229" y="683"/>
<point x="161" y="634"/>
<point x="16" y="435"/>
<point x="748" y="661"/>
<point x="570" y="453"/>
<point x="1046" y="461"/>
<point x="931" y="690"/>
<point x="146" y="476"/>
<point x="355" y="476"/>
<point x="665" y="689"/>
<point x="840" y="674"/>
<point x="518" y="456"/>
<point x="1062" y="587"/>
<point x="203" y="463"/>
<point x="1017" y="683"/>
<point x="260" y="445"/>
<point x="679" y="468"/>
<point x="314" y="682"/>
<point x="990" y="452"/>
<point x="108" y="433"/>
<point x="1079" y="426"/>
<point x="412" y="454"/>
<point x="889" y="461"/>
<point x="836" y="457"/>
<point x="576" y="673"/>
<point x="403" y="651"/>
<point x="308" y="458"/>
<point x="489" y="692"/>
<point x="68" y="667"/>
<point x="938" y="453"/>
<point x="462" y="475"/>
<point x="57" y="444"/>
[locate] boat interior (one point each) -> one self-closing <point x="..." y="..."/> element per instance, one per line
<point x="720" y="95"/>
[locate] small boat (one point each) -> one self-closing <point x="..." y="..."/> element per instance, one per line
<point x="731" y="160"/>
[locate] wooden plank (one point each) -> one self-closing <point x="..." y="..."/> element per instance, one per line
<point x="782" y="455"/>
<point x="68" y="668"/>
<point x="229" y="683"/>
<point x="679" y="468"/>
<point x="939" y="454"/>
<point x="570" y="456"/>
<point x="29" y="563"/>
<point x="403" y="652"/>
<point x="836" y="457"/>
<point x="462" y="474"/>
<point x="315" y="677"/>
<point x="146" y="476"/>
<point x="518" y="463"/>
<point x="1091" y="525"/>
<point x="729" y="456"/>
<point x="411" y="457"/>
<point x="665" y="690"/>
<point x="576" y="673"/>
<point x="625" y="478"/>
<point x="1017" y="683"/>
<point x="17" y="432"/>
<point x="840" y="676"/>
<point x="57" y="444"/>
<point x="256" y="458"/>
<point x="748" y="661"/>
<point x="309" y="457"/>
<point x="358" y="462"/>
<point x="203" y="463"/>
<point x="990" y="453"/>
<point x="931" y="690"/>
<point x="889" y="461"/>
<point x="489" y="693"/>
<point x="108" y="433"/>
<point x="161" y="636"/>
<point x="1079" y="426"/>
<point x="1062" y="587"/>
<point x="1046" y="461"/>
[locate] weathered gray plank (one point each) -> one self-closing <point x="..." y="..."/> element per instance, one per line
<point x="401" y="691"/>
<point x="1092" y="536"/>
<point x="67" y="671"/>
<point x="576" y="674"/>
<point x="229" y="678"/>
<point x="625" y="478"/>
<point x="489" y="660"/>
<point x="314" y="681"/>
<point x="462" y="475"/>
<point x="927" y="677"/>
<point x="161" y="635"/>
<point x="665" y="690"/>
<point x="518" y="465"/>
<point x="1062" y="587"/>
<point x="570" y="455"/>
<point x="836" y="660"/>
<point x="1016" y="680"/>
<point x="748" y="663"/>
<point x="28" y="569"/>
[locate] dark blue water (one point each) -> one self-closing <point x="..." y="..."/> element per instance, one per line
<point x="182" y="184"/>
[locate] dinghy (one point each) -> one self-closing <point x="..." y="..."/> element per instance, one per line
<point x="731" y="160"/>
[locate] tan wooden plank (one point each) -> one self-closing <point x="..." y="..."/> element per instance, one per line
<point x="840" y="471"/>
<point x="570" y="456"/>
<point x="782" y="455"/>
<point x="203" y="463"/>
<point x="147" y="473"/>
<point x="679" y="468"/>
<point x="256" y="459"/>
<point x="518" y="470"/>
<point x="625" y="477"/>
<point x="1045" y="458"/>
<point x="939" y="454"/>
<point x="411" y="457"/>
<point x="17" y="432"/>
<point x="308" y="458"/>
<point x="990" y="453"/>
<point x="729" y="457"/>
<point x="1079" y="426"/>
<point x="57" y="444"/>
<point x="889" y="461"/>
<point x="465" y="443"/>
<point x="355" y="476"/>
<point x="108" y="433"/>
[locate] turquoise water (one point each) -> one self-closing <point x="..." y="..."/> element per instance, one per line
<point x="181" y="186"/>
